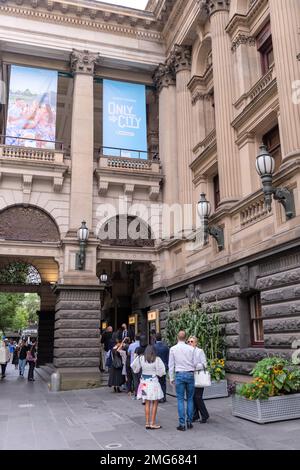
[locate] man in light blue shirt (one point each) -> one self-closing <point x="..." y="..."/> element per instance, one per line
<point x="182" y="364"/>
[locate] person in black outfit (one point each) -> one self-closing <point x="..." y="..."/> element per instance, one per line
<point x="162" y="351"/>
<point x="32" y="362"/>
<point x="106" y="339"/>
<point x="22" y="357"/>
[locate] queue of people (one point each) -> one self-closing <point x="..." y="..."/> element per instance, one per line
<point x="140" y="369"/>
<point x="19" y="354"/>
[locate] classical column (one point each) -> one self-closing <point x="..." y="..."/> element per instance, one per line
<point x="164" y="79"/>
<point x="181" y="57"/>
<point x="198" y="112"/>
<point x="228" y="159"/>
<point x="285" y="36"/>
<point x="82" y="139"/>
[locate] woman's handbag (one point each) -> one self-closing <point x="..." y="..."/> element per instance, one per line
<point x="202" y="378"/>
<point x="117" y="362"/>
<point x="29" y="357"/>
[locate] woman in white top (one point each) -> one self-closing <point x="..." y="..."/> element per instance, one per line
<point x="4" y="357"/>
<point x="149" y="389"/>
<point x="199" y="405"/>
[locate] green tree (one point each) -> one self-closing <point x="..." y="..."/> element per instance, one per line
<point x="20" y="320"/>
<point x="31" y="304"/>
<point x="8" y="307"/>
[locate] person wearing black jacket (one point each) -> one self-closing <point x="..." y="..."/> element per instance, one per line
<point x="22" y="357"/>
<point x="31" y="358"/>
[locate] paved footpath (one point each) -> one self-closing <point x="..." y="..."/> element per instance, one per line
<point x="31" y="417"/>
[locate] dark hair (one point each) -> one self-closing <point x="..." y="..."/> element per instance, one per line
<point x="143" y="341"/>
<point x="150" y="354"/>
<point x="158" y="336"/>
<point x="137" y="337"/>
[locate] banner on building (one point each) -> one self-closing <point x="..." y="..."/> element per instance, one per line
<point x="124" y="119"/>
<point x="31" y="114"/>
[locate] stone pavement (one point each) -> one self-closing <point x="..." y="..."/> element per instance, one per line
<point x="31" y="417"/>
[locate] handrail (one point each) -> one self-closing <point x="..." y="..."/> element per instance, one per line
<point x="138" y="152"/>
<point x="3" y="137"/>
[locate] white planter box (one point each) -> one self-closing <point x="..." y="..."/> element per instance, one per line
<point x="267" y="411"/>
<point x="216" y="390"/>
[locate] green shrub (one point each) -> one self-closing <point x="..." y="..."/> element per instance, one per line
<point x="196" y="321"/>
<point x="274" y="376"/>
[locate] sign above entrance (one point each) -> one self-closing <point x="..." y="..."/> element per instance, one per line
<point x="124" y="119"/>
<point x="152" y="316"/>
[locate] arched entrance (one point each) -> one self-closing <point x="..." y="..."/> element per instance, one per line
<point x="29" y="247"/>
<point x="127" y="255"/>
<point x="22" y="278"/>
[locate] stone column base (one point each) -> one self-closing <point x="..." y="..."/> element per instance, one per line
<point x="81" y="378"/>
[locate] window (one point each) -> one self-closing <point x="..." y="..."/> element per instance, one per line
<point x="272" y="141"/>
<point x="256" y="319"/>
<point x="216" y="186"/>
<point x="265" y="48"/>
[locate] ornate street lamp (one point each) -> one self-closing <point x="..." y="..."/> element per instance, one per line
<point x="104" y="277"/>
<point x="83" y="236"/>
<point x="265" y="167"/>
<point x="204" y="211"/>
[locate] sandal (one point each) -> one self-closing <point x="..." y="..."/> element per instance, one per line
<point x="155" y="426"/>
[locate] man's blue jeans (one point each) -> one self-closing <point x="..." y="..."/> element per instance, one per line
<point x="22" y="364"/>
<point x="185" y="385"/>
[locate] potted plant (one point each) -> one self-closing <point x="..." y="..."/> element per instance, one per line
<point x="203" y="323"/>
<point x="273" y="395"/>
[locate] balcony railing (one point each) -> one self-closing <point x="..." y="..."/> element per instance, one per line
<point x="128" y="154"/>
<point x="31" y="150"/>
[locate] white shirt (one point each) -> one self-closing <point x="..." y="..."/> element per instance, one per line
<point x="148" y="368"/>
<point x="183" y="358"/>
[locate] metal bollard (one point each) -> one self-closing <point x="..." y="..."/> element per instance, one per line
<point x="55" y="382"/>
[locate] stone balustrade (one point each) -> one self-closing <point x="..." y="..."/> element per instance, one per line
<point x="31" y="154"/>
<point x="257" y="90"/>
<point x="253" y="212"/>
<point x="132" y="164"/>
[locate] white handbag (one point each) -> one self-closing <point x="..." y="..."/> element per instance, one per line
<point x="202" y="378"/>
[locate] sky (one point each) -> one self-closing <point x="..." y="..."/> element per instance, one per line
<point x="139" y="4"/>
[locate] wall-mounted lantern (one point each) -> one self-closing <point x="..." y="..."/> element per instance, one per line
<point x="204" y="211"/>
<point x="83" y="236"/>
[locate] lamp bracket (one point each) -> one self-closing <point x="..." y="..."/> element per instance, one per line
<point x="218" y="234"/>
<point x="286" y="198"/>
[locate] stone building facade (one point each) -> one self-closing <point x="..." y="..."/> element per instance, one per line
<point x="219" y="83"/>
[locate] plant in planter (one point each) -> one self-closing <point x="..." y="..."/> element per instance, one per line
<point x="199" y="321"/>
<point x="273" y="395"/>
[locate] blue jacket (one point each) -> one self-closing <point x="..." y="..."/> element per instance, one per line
<point x="162" y="350"/>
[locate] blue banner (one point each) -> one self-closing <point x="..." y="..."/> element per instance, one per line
<point x="124" y="119"/>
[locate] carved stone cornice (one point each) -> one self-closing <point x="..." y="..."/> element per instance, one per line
<point x="164" y="76"/>
<point x="243" y="39"/>
<point x="214" y="6"/>
<point x="102" y="17"/>
<point x="181" y="58"/>
<point x="83" y="62"/>
<point x="199" y="89"/>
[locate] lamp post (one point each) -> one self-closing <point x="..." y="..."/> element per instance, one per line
<point x="265" y="167"/>
<point x="204" y="211"/>
<point x="83" y="236"/>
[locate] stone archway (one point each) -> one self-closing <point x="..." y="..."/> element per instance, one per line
<point x="25" y="276"/>
<point x="28" y="223"/>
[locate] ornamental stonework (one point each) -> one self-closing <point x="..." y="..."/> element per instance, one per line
<point x="164" y="76"/>
<point x="83" y="61"/>
<point x="181" y="58"/>
<point x="243" y="39"/>
<point x="214" y="6"/>
<point x="21" y="223"/>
